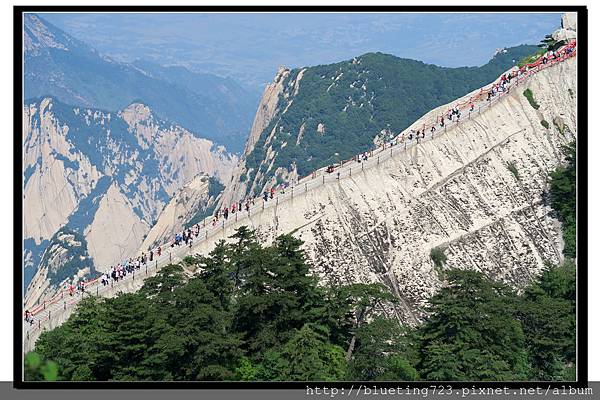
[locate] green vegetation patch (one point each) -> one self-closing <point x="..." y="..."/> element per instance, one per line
<point x="438" y="257"/>
<point x="511" y="166"/>
<point x="258" y="313"/>
<point x="529" y="95"/>
<point x="545" y="124"/>
<point x="355" y="100"/>
<point x="531" y="58"/>
<point x="563" y="198"/>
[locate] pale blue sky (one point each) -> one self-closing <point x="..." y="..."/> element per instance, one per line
<point x="250" y="47"/>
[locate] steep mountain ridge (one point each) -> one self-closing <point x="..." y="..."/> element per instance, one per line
<point x="315" y="116"/>
<point x="104" y="175"/>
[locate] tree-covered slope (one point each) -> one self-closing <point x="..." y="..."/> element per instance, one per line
<point x="253" y="313"/>
<point x="331" y="112"/>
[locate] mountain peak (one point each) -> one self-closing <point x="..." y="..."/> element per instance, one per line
<point x="136" y="113"/>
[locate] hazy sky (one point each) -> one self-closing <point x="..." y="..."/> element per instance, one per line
<point x="250" y="47"/>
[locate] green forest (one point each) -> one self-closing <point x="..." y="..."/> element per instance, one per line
<point x="256" y="313"/>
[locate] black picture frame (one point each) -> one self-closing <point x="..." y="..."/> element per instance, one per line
<point x="582" y="210"/>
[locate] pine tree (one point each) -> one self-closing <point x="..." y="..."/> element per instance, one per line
<point x="471" y="333"/>
<point x="385" y="350"/>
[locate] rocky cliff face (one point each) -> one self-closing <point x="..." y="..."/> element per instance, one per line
<point x="455" y="192"/>
<point x="65" y="257"/>
<point x="267" y="109"/>
<point x="568" y="29"/>
<point x="189" y="205"/>
<point x="106" y="176"/>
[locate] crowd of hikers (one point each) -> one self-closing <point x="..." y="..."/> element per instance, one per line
<point x="186" y="237"/>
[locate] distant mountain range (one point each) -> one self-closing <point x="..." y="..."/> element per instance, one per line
<point x="61" y="66"/>
<point x="249" y="47"/>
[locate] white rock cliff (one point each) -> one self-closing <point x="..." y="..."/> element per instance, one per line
<point x="106" y="175"/>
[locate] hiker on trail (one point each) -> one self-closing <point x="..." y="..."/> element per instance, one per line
<point x="265" y="196"/>
<point x="240" y="205"/>
<point x="471" y="107"/>
<point x="432" y="129"/>
<point x="233" y="208"/>
<point x="423" y="133"/>
<point x="410" y="135"/>
<point x="71" y="290"/>
<point x="247" y="205"/>
<point x="158" y="251"/>
<point x="226" y="213"/>
<point x="442" y="121"/>
<point x="272" y="192"/>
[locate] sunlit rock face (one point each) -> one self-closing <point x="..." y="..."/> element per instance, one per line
<point x="267" y="109"/>
<point x="455" y="192"/>
<point x="569" y="21"/>
<point x="188" y="206"/>
<point x="105" y="175"/>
